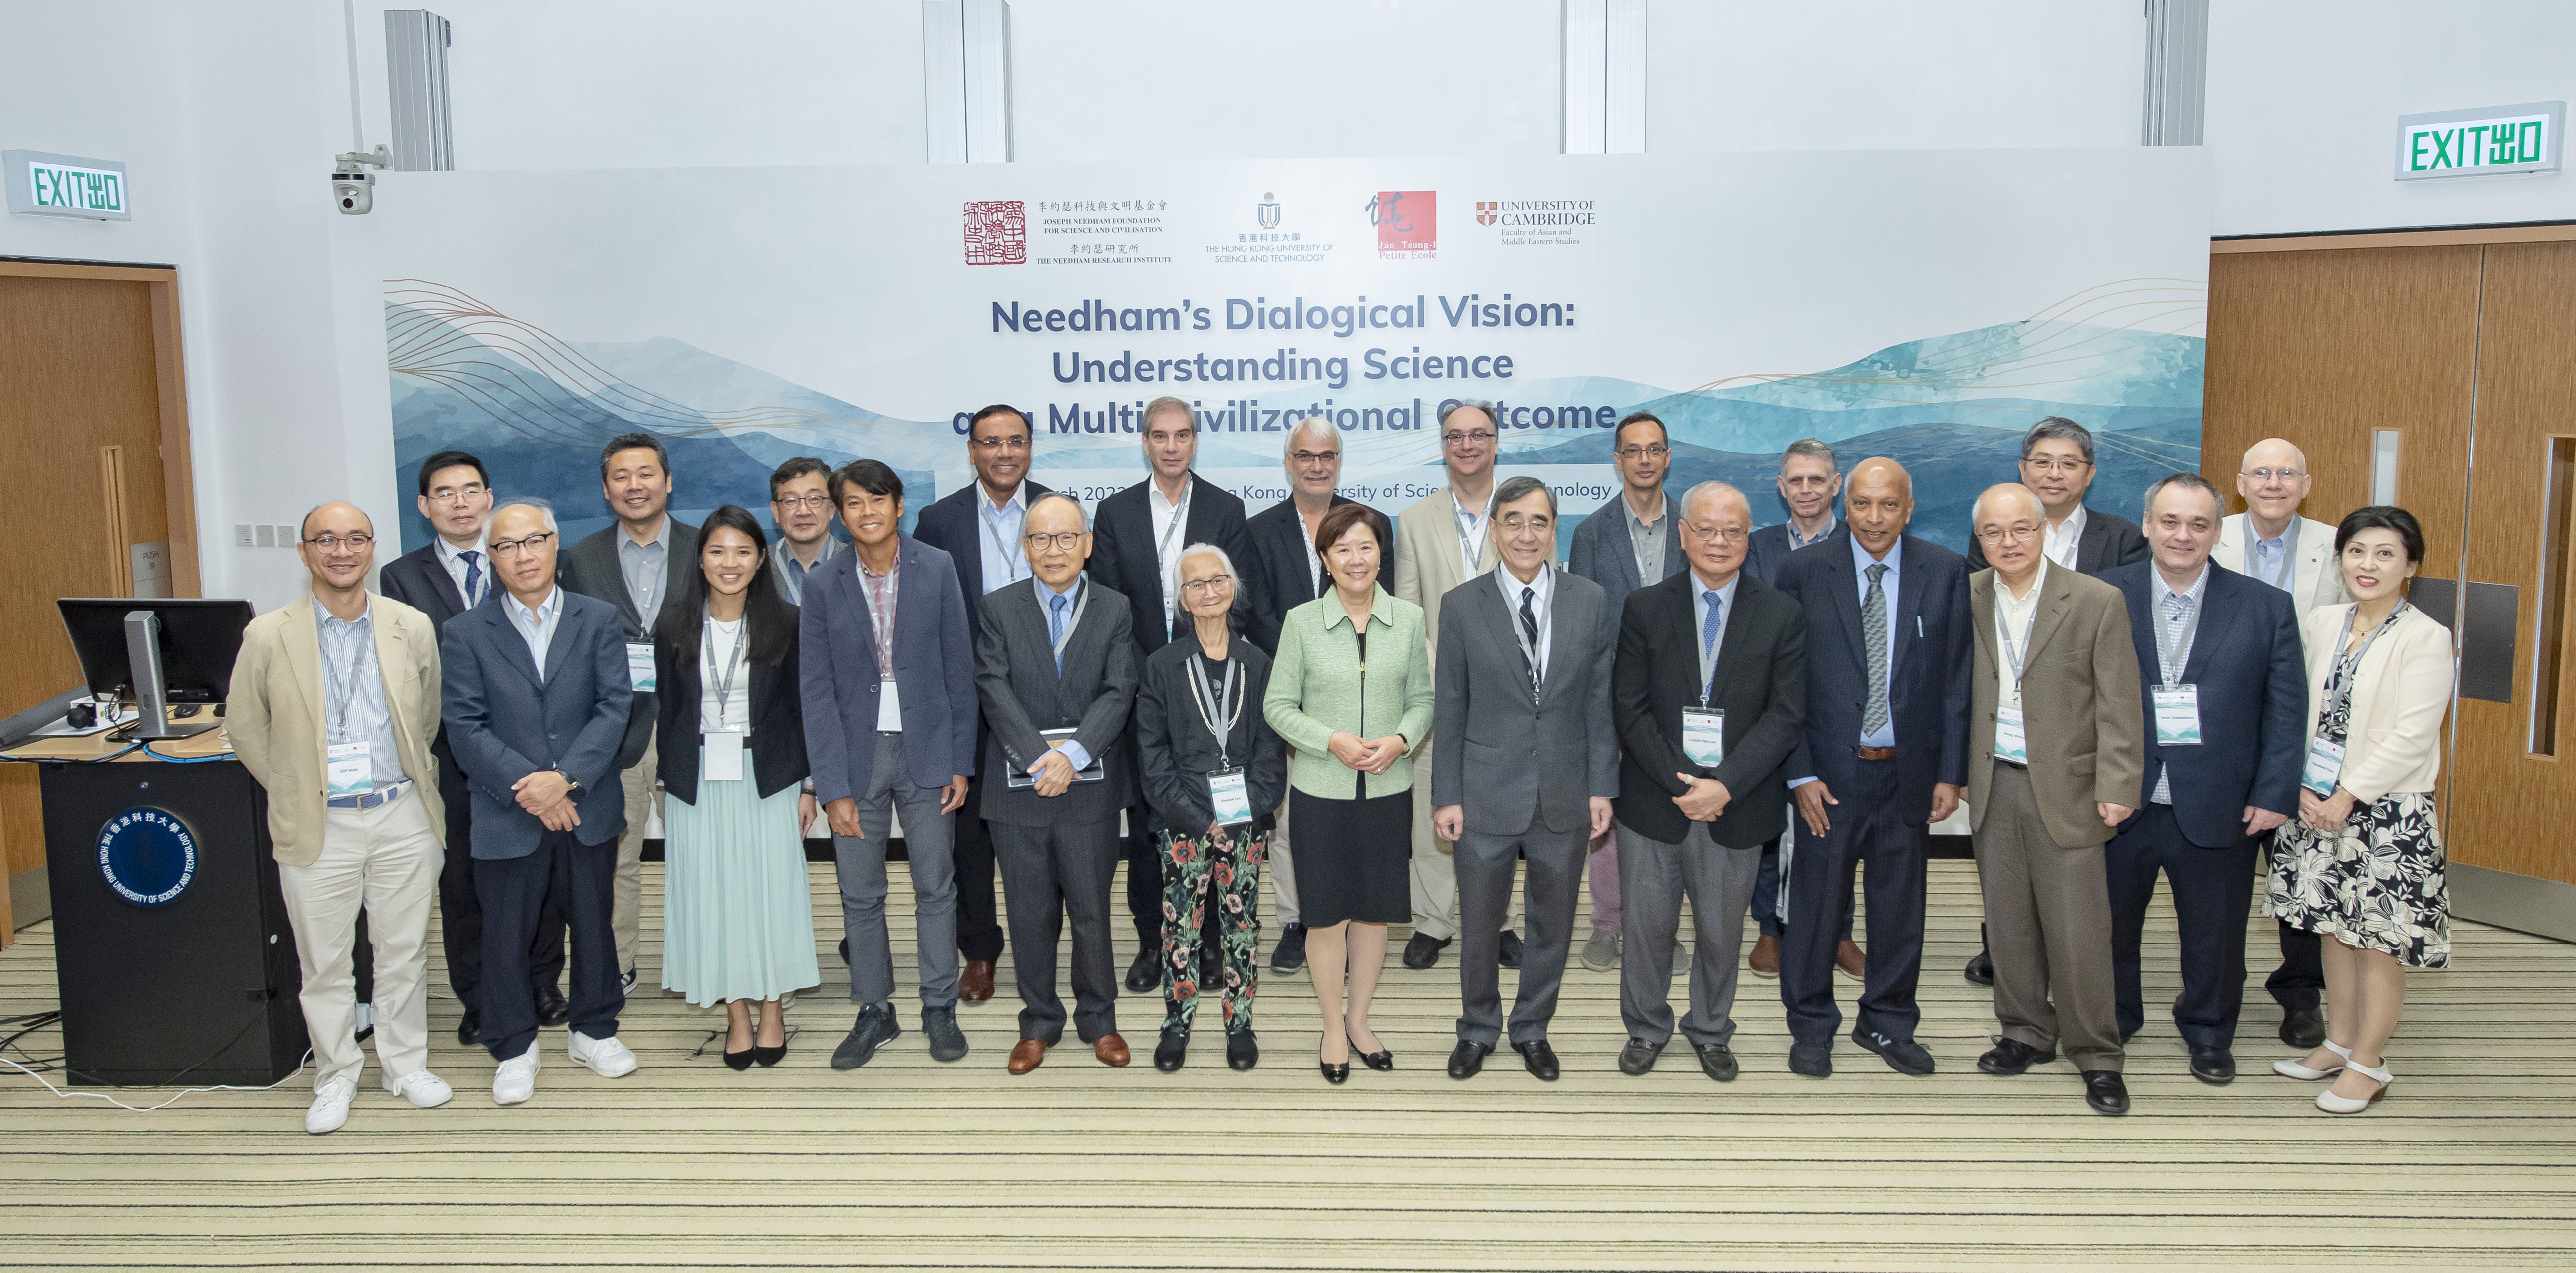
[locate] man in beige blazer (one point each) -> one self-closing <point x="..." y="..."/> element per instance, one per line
<point x="1443" y="540"/>
<point x="333" y="705"/>
<point x="2056" y="758"/>
<point x="2271" y="542"/>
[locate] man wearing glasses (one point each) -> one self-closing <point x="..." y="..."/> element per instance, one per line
<point x="1284" y="572"/>
<point x="801" y="505"/>
<point x="2271" y="542"/>
<point x="978" y="525"/>
<point x="1442" y="541"/>
<point x="446" y="578"/>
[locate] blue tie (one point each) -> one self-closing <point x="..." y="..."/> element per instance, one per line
<point x="1708" y="634"/>
<point x="1055" y="628"/>
<point x="473" y="577"/>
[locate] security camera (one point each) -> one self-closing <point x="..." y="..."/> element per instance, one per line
<point x="353" y="188"/>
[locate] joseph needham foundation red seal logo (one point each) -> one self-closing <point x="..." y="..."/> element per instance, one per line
<point x="997" y="232"/>
<point x="1408" y="223"/>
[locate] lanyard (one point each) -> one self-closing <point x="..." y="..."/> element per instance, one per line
<point x="346" y="699"/>
<point x="1164" y="566"/>
<point x="733" y="658"/>
<point x="1470" y="530"/>
<point x="2289" y="555"/>
<point x="2348" y="666"/>
<point x="2012" y="649"/>
<point x="1081" y="598"/>
<point x="2170" y="649"/>
<point x="1530" y="653"/>
<point x="1202" y="694"/>
<point x="1013" y="560"/>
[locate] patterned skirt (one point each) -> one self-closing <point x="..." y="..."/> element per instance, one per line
<point x="2376" y="885"/>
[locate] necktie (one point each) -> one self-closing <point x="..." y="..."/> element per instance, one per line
<point x="1708" y="636"/>
<point x="1873" y="642"/>
<point x="1055" y="628"/>
<point x="1529" y="630"/>
<point x="473" y="577"/>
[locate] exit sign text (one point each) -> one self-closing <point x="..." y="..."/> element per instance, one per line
<point x="2483" y="142"/>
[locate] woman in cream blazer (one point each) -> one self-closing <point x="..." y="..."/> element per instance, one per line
<point x="2362" y="864"/>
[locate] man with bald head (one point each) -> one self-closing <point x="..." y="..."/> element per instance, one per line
<point x="1707" y="692"/>
<point x="2271" y="542"/>
<point x="333" y="706"/>
<point x="2056" y="760"/>
<point x="1884" y="754"/>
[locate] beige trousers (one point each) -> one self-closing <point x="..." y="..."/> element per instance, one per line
<point x="626" y="899"/>
<point x="387" y="860"/>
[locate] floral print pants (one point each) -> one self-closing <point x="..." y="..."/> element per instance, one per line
<point x="1225" y="870"/>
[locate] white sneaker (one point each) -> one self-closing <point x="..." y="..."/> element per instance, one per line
<point x="516" y="1080"/>
<point x="421" y="1088"/>
<point x="607" y="1058"/>
<point x="330" y="1110"/>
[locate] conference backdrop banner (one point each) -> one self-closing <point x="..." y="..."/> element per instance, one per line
<point x="1923" y="305"/>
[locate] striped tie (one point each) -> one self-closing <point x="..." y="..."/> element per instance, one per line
<point x="1873" y="642"/>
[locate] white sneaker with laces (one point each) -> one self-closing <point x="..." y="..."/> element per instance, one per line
<point x="330" y="1110"/>
<point x="516" y="1079"/>
<point x="607" y="1058"/>
<point x="421" y="1088"/>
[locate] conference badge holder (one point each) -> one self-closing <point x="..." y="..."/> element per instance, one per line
<point x="2009" y="743"/>
<point x="723" y="751"/>
<point x="1704" y="735"/>
<point x="348" y="770"/>
<point x="2177" y="715"/>
<point x="1231" y="799"/>
<point x="639" y="665"/>
<point x="2325" y="766"/>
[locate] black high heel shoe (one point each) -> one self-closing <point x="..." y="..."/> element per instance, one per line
<point x="768" y="1056"/>
<point x="740" y="1060"/>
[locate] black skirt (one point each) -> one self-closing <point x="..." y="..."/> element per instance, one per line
<point x="1353" y="858"/>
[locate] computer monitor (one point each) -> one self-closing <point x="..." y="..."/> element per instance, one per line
<point x="198" y="639"/>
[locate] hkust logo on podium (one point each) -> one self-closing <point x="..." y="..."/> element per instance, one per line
<point x="147" y="856"/>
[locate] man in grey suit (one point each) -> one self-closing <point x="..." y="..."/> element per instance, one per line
<point x="1623" y="546"/>
<point x="1055" y="668"/>
<point x="889" y="684"/>
<point x="636" y="565"/>
<point x="1527" y="765"/>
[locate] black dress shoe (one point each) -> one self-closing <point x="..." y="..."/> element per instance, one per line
<point x="1146" y="973"/>
<point x="552" y="1008"/>
<point x="1981" y="969"/>
<point x="1290" y="954"/>
<point x="1172" y="1050"/>
<point x="1815" y="1060"/>
<point x="1511" y="956"/>
<point x="1423" y="951"/>
<point x="1639" y="1056"/>
<point x="2012" y="1056"/>
<point x="2104" y="1091"/>
<point x="1468" y="1058"/>
<point x="469" y="1028"/>
<point x="1905" y="1056"/>
<point x="2213" y="1065"/>
<point x="1716" y="1061"/>
<point x="2303" y="1027"/>
<point x="1242" y="1050"/>
<point x="1539" y="1059"/>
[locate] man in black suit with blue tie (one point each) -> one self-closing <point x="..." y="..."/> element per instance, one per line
<point x="2226" y="691"/>
<point x="1884" y="754"/>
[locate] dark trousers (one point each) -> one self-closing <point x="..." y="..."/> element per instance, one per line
<point x="2299" y="984"/>
<point x="460" y="912"/>
<point x="1868" y="826"/>
<point x="513" y="893"/>
<point x="979" y="922"/>
<point x="1485" y="866"/>
<point x="2212" y="891"/>
<point x="1766" y="889"/>
<point x="1050" y="874"/>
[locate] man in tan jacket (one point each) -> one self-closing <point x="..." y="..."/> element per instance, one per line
<point x="333" y="705"/>
<point x="2056" y="758"/>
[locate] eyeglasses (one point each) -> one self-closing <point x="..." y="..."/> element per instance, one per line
<point x="1469" y="437"/>
<point x="510" y="547"/>
<point x="1303" y="458"/>
<point x="334" y="543"/>
<point x="1515" y="523"/>
<point x="2266" y="475"/>
<point x="804" y="503"/>
<point x="2018" y="532"/>
<point x="2056" y="467"/>
<point x="1207" y="587"/>
<point x="458" y="494"/>
<point x="1718" y="534"/>
<point x="1013" y="442"/>
<point x="1654" y="452"/>
<point x="1065" y="540"/>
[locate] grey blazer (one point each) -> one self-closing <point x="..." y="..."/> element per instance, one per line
<point x="1022" y="693"/>
<point x="1602" y="553"/>
<point x="1515" y="765"/>
<point x="591" y="569"/>
<point x="934" y="672"/>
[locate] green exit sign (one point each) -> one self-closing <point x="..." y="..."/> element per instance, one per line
<point x="2480" y="143"/>
<point x="46" y="185"/>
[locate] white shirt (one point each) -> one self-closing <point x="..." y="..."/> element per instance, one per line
<point x="2013" y="616"/>
<point x="538" y="627"/>
<point x="1544" y="588"/>
<point x="1171" y="526"/>
<point x="2063" y="538"/>
<point x="723" y="644"/>
<point x="1711" y="643"/>
<point x="452" y="557"/>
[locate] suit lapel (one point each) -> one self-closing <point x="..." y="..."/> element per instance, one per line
<point x="2088" y="544"/>
<point x="2210" y="625"/>
<point x="1981" y="613"/>
<point x="560" y="647"/>
<point x="970" y="565"/>
<point x="304" y="657"/>
<point x="1909" y="603"/>
<point x="505" y="634"/>
<point x="1561" y="620"/>
<point x="394" y="662"/>
<point x="1839" y="568"/>
<point x="2053" y="600"/>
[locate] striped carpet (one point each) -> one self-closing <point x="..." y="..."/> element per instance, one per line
<point x="911" y="1164"/>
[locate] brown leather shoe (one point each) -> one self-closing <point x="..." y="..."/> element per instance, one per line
<point x="975" y="982"/>
<point x="1026" y="1054"/>
<point x="1111" y="1049"/>
<point x="1766" y="956"/>
<point x="1849" y="961"/>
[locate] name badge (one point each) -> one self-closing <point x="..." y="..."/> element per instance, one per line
<point x="2325" y="766"/>
<point x="2009" y="744"/>
<point x="2177" y="715"/>
<point x="1230" y="797"/>
<point x="1704" y="735"/>
<point x="639" y="665"/>
<point x="722" y="749"/>
<point x="889" y="707"/>
<point x="348" y="769"/>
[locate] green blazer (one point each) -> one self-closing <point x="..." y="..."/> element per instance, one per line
<point x="1318" y="688"/>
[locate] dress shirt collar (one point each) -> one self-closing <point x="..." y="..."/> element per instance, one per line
<point x="1068" y="592"/>
<point x="366" y="611"/>
<point x="2004" y="598"/>
<point x="1862" y="561"/>
<point x="984" y="501"/>
<point x="447" y="552"/>
<point x="1164" y="504"/>
<point x="1663" y="513"/>
<point x="660" y="538"/>
<point x="2060" y="542"/>
<point x="1700" y="591"/>
<point x="1545" y="584"/>
<point x="1798" y="541"/>
<point x="544" y="611"/>
<point x="2199" y="585"/>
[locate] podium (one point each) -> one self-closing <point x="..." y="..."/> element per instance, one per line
<point x="172" y="950"/>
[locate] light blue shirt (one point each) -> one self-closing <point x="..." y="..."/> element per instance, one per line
<point x="538" y="629"/>
<point x="353" y="692"/>
<point x="1725" y="598"/>
<point x="1006" y="559"/>
<point x="2272" y="556"/>
<point x="1073" y="751"/>
<point x="1797" y="541"/>
<point x="1861" y="562"/>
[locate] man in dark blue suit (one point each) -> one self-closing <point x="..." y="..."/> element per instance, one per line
<point x="2227" y="693"/>
<point x="535" y="703"/>
<point x="1884" y="754"/>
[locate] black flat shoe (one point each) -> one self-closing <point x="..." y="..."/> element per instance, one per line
<point x="1381" y="1060"/>
<point x="1242" y="1050"/>
<point x="1172" y="1050"/>
<point x="1468" y="1058"/>
<point x="1335" y="1073"/>
<point x="1539" y="1059"/>
<point x="740" y="1060"/>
